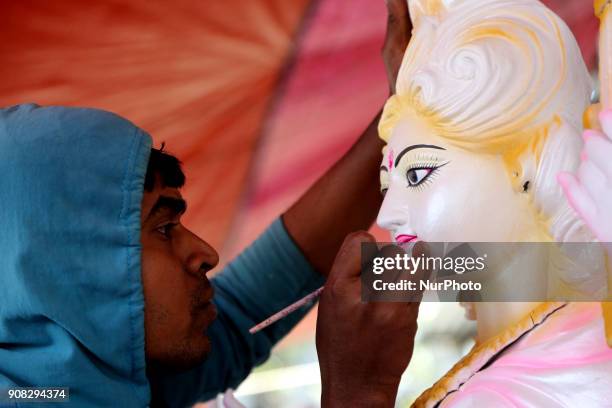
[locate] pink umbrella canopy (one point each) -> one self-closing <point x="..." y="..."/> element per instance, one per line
<point x="258" y="98"/>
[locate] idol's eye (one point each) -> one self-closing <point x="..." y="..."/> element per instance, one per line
<point x="417" y="176"/>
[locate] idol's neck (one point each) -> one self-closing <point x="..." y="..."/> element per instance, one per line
<point x="521" y="283"/>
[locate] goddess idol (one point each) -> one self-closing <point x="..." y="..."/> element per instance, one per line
<point x="483" y="144"/>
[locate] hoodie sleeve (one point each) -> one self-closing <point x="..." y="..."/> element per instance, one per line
<point x="268" y="276"/>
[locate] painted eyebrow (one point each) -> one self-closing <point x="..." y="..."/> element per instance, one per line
<point x="419" y="146"/>
<point x="384" y="168"/>
<point x="177" y="206"/>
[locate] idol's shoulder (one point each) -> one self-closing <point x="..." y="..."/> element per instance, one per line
<point x="543" y="360"/>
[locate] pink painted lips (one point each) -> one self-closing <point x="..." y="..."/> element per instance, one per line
<point x="403" y="239"/>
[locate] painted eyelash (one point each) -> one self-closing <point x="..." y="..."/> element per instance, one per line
<point x="424" y="165"/>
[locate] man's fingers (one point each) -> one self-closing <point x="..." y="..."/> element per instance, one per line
<point x="399" y="29"/>
<point x="577" y="196"/>
<point x="399" y="25"/>
<point x="421" y="250"/>
<point x="348" y="260"/>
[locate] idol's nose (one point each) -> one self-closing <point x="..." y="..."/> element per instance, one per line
<point x="393" y="215"/>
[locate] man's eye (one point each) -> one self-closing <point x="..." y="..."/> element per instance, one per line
<point x="417" y="176"/>
<point x="384" y="190"/>
<point x="166" y="229"/>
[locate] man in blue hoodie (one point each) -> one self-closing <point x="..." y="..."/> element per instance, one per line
<point x="103" y="290"/>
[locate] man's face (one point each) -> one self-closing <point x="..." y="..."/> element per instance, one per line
<point x="177" y="293"/>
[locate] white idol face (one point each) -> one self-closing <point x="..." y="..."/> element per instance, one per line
<point x="437" y="192"/>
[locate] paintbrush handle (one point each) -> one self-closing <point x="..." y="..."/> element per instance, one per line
<point x="286" y="311"/>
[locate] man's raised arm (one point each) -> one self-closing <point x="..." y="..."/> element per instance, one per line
<point x="347" y="197"/>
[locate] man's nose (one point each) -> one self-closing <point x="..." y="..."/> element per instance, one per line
<point x="202" y="257"/>
<point x="393" y="213"/>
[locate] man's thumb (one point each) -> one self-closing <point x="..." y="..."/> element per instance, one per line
<point x="348" y="260"/>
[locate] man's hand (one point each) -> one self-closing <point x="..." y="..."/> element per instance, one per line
<point x="363" y="348"/>
<point x="399" y="30"/>
<point x="589" y="192"/>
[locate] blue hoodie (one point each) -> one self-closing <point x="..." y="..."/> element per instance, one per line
<point x="71" y="298"/>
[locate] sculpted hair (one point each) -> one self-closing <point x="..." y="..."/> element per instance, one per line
<point x="484" y="72"/>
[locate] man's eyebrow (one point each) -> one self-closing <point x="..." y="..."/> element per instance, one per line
<point x="176" y="205"/>
<point x="384" y="168"/>
<point x="419" y="146"/>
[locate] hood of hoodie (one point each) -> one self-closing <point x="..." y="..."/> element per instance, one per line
<point x="71" y="297"/>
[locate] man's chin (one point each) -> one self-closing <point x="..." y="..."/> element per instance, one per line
<point x="183" y="357"/>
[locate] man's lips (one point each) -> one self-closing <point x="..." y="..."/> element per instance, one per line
<point x="403" y="239"/>
<point x="204" y="305"/>
<point x="205" y="293"/>
<point x="207" y="310"/>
